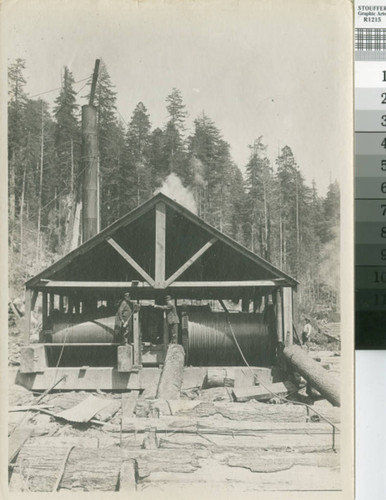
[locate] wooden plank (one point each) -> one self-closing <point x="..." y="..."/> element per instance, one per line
<point x="189" y="262"/>
<point x="27" y="315"/>
<point x="259" y="392"/>
<point x="131" y="261"/>
<point x="160" y="244"/>
<point x="287" y="316"/>
<point x="223" y="284"/>
<point x="84" y="411"/>
<point x="16" y="441"/>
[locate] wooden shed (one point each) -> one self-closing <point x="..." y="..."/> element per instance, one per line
<point x="158" y="247"/>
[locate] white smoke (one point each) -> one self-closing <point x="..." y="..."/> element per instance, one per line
<point x="173" y="188"/>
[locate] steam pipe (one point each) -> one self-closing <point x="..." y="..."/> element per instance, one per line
<point x="90" y="195"/>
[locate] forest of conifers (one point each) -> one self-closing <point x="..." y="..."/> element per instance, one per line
<point x="270" y="209"/>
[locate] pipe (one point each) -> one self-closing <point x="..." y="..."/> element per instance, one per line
<point x="90" y="196"/>
<point x="316" y="375"/>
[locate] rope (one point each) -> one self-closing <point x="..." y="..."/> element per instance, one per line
<point x="272" y="392"/>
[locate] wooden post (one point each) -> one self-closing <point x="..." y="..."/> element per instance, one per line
<point x="70" y="302"/>
<point x="245" y="305"/>
<point x="27" y="315"/>
<point x="165" y="332"/>
<point x="34" y="298"/>
<point x="160" y="243"/>
<point x="45" y="311"/>
<point x="52" y="302"/>
<point x="287" y="315"/>
<point x="137" y="340"/>
<point x="61" y="303"/>
<point x="279" y="316"/>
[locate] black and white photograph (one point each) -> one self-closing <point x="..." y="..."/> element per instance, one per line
<point x="177" y="204"/>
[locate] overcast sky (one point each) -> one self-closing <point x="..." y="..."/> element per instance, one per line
<point x="280" y="69"/>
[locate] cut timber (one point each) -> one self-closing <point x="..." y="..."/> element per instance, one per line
<point x="316" y="375"/>
<point x="259" y="392"/>
<point x="127" y="480"/>
<point x="129" y="401"/>
<point x="172" y="373"/>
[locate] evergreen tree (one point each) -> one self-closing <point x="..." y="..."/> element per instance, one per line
<point x="258" y="198"/>
<point x="111" y="146"/>
<point x="210" y="161"/>
<point x="174" y="147"/>
<point x="158" y="162"/>
<point x="67" y="133"/>
<point x="137" y="172"/>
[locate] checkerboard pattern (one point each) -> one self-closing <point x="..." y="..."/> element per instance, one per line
<point x="370" y="39"/>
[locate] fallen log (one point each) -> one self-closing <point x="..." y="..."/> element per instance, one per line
<point x="316" y="375"/>
<point x="172" y="374"/>
<point x="257" y="412"/>
<point x="90" y="469"/>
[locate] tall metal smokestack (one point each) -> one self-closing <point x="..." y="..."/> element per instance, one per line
<point x="90" y="195"/>
<point x="90" y="165"/>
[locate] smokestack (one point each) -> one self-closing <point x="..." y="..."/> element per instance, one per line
<point x="90" y="195"/>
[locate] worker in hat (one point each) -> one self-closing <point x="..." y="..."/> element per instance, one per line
<point x="171" y="318"/>
<point x="306" y="334"/>
<point x="123" y="327"/>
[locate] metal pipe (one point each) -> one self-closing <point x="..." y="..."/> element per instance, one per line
<point x="315" y="374"/>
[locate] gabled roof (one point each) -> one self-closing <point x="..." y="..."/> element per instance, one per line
<point x="142" y="212"/>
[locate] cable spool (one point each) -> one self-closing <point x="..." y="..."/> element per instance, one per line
<point x="97" y="331"/>
<point x="208" y="340"/>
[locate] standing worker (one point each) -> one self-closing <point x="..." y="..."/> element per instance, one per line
<point x="171" y="318"/>
<point x="123" y="327"/>
<point x="306" y="334"/>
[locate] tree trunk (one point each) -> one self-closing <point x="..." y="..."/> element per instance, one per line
<point x="40" y="192"/>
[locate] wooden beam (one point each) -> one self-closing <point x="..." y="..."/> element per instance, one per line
<point x="131" y="261"/>
<point x="61" y="303"/>
<point x="160" y="244"/>
<point x="287" y="315"/>
<point x="189" y="262"/>
<point x="27" y="315"/>
<point x="225" y="284"/>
